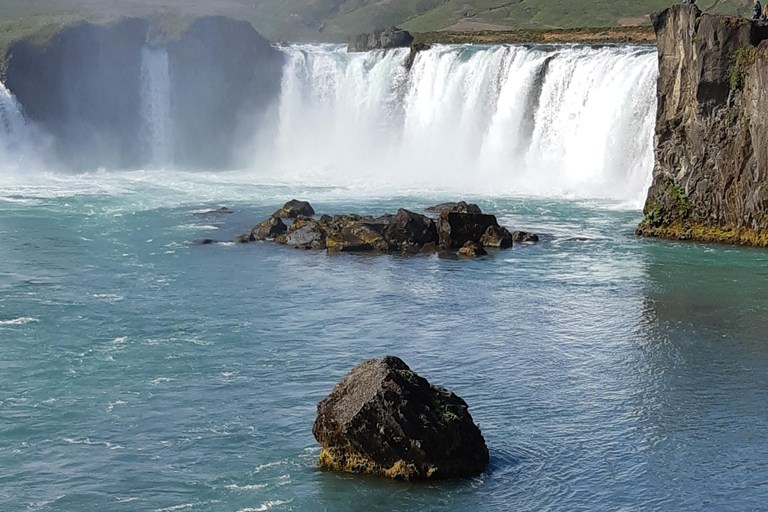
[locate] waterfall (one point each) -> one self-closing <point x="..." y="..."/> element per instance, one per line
<point x="13" y="129"/>
<point x="545" y="120"/>
<point x="156" y="107"/>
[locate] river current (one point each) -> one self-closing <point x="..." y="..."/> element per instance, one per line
<point x="141" y="372"/>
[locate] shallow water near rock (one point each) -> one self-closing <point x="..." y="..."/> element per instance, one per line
<point x="141" y="373"/>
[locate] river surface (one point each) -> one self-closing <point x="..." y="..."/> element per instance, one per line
<point x="138" y="372"/>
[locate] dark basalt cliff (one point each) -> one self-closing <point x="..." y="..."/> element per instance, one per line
<point x="711" y="143"/>
<point x="82" y="87"/>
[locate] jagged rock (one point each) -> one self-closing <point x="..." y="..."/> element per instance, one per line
<point x="522" y="236"/>
<point x="308" y="236"/>
<point x="326" y="219"/>
<point x="709" y="179"/>
<point x="430" y="247"/>
<point x="292" y="209"/>
<point x="408" y="230"/>
<point x="204" y="241"/>
<point x="384" y="419"/>
<point x="472" y="250"/>
<point x="381" y="39"/>
<point x="497" y="237"/>
<point x="269" y="229"/>
<point x="354" y="239"/>
<point x="456" y="229"/>
<point x="460" y="207"/>
<point x="244" y="239"/>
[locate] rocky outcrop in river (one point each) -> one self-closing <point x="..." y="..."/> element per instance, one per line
<point x="710" y="179"/>
<point x="454" y="226"/>
<point x="384" y="419"/>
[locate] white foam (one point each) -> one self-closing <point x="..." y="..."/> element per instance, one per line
<point x="19" y="321"/>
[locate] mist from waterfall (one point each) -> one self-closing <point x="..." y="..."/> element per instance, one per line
<point x="500" y="120"/>
<point x="553" y="121"/>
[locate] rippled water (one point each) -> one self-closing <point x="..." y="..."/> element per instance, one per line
<point x="140" y="373"/>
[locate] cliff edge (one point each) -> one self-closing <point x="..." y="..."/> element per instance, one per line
<point x="710" y="178"/>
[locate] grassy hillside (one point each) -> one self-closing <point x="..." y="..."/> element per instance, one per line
<point x="337" y="19"/>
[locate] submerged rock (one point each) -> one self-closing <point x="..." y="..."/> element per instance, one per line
<point x="292" y="209"/>
<point x="221" y="211"/>
<point x="384" y="419"/>
<point x="523" y="236"/>
<point x="472" y="250"/>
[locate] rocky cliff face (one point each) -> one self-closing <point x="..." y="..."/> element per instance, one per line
<point x="711" y="144"/>
<point x="83" y="88"/>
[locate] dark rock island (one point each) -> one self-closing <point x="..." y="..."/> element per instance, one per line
<point x="457" y="226"/>
<point x="710" y="179"/>
<point x="384" y="419"/>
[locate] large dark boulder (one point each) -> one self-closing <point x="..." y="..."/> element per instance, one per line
<point x="456" y="229"/>
<point x="384" y="419"/>
<point x="293" y="208"/>
<point x="409" y="230"/>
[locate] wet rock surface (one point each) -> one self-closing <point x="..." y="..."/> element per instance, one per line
<point x="472" y="250"/>
<point x="524" y="236"/>
<point x="384" y="419"/>
<point x="404" y="232"/>
<point x="456" y="229"/>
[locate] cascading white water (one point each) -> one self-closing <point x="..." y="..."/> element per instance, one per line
<point x="574" y="121"/>
<point x="156" y="106"/>
<point x="13" y="129"/>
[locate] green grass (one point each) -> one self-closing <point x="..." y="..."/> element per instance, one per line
<point x="338" y="19"/>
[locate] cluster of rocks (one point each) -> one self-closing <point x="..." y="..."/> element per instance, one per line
<point x="384" y="419"/>
<point x="459" y="226"/>
<point x="381" y="39"/>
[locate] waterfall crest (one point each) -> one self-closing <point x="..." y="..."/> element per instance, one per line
<point x="545" y="120"/>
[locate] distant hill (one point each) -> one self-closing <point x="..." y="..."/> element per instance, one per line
<point x="334" y="20"/>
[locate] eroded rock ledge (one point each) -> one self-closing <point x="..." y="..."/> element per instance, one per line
<point x="711" y="142"/>
<point x="384" y="419"/>
<point x="457" y="226"/>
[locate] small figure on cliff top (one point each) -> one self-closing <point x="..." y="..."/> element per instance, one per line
<point x="757" y="12"/>
<point x="765" y="13"/>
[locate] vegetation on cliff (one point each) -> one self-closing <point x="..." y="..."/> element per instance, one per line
<point x="709" y="179"/>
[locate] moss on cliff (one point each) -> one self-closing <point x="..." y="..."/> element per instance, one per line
<point x="710" y="161"/>
<point x="741" y="61"/>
